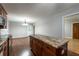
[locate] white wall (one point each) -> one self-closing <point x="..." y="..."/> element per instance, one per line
<point x="49" y="27"/>
<point x="54" y="25"/>
<point x="17" y="30"/>
<point x="68" y="29"/>
<point x="69" y="24"/>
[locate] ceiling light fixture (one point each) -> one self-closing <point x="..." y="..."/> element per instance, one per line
<point x="25" y="23"/>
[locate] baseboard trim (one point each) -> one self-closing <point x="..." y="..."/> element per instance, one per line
<point x="68" y="37"/>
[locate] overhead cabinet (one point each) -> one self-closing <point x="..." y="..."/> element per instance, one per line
<point x="3" y="17"/>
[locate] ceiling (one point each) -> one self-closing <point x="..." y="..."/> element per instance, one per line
<point x="34" y="11"/>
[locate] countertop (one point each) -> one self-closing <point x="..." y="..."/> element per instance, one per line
<point x="3" y="38"/>
<point x="51" y="40"/>
<point x="2" y="41"/>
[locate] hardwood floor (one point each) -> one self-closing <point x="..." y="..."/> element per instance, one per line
<point x="73" y="46"/>
<point x="21" y="47"/>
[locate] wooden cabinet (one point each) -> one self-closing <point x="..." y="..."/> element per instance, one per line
<point x="34" y="46"/>
<point x="62" y="50"/>
<point x="2" y="11"/>
<point x="4" y="48"/>
<point x="40" y="48"/>
<point x="10" y="53"/>
<point x="3" y="15"/>
<point x="48" y="50"/>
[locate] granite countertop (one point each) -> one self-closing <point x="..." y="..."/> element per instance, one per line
<point x="2" y="41"/>
<point x="51" y="40"/>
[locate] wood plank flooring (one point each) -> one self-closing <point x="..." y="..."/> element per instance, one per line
<point x="73" y="46"/>
<point x="21" y="47"/>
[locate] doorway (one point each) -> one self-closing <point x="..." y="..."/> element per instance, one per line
<point x="72" y="32"/>
<point x="71" y="26"/>
<point x="76" y="31"/>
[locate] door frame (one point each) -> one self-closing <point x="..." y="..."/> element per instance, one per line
<point x="63" y="24"/>
<point x="75" y="23"/>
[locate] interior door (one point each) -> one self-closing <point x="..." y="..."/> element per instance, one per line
<point x="76" y="31"/>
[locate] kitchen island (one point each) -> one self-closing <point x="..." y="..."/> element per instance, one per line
<point x="48" y="46"/>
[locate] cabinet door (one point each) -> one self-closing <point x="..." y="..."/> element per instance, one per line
<point x="5" y="22"/>
<point x="33" y="45"/>
<point x="1" y="20"/>
<point x="36" y="45"/>
<point x="39" y="47"/>
<point x="48" y="50"/>
<point x="3" y="13"/>
<point x="31" y="42"/>
<point x="5" y="52"/>
<point x="0" y="11"/>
